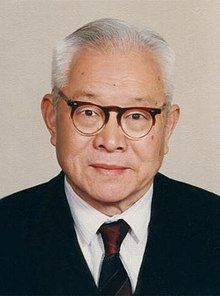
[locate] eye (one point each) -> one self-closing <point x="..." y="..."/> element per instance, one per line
<point x="136" y="116"/>
<point x="88" y="112"/>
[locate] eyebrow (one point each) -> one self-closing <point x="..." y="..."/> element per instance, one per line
<point x="85" y="94"/>
<point x="90" y="95"/>
<point x="142" y="99"/>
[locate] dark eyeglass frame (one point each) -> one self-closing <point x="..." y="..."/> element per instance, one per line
<point x="107" y="109"/>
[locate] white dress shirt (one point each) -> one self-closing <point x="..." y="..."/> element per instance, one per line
<point x="87" y="221"/>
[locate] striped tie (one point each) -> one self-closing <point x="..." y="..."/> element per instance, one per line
<point x="114" y="279"/>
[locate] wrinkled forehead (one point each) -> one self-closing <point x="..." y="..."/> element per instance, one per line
<point x="134" y="74"/>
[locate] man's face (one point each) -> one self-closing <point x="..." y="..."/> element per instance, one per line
<point x="109" y="170"/>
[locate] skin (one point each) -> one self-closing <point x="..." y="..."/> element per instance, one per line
<point x="108" y="170"/>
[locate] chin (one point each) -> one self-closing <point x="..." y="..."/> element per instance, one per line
<point x="109" y="194"/>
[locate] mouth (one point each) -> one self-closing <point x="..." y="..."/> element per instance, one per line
<point x="109" y="170"/>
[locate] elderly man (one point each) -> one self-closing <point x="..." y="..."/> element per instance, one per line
<point x="109" y="223"/>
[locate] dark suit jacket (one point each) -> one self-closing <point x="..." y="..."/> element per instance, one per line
<point x="40" y="255"/>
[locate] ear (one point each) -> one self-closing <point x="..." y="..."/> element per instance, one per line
<point x="172" y="119"/>
<point x="48" y="111"/>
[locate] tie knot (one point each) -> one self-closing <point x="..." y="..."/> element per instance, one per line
<point x="113" y="235"/>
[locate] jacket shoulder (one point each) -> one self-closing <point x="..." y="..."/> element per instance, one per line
<point x="185" y="200"/>
<point x="19" y="203"/>
<point x="174" y="186"/>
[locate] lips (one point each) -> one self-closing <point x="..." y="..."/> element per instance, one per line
<point x="109" y="169"/>
<point x="108" y="166"/>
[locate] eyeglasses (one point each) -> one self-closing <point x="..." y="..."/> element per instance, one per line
<point x="89" y="119"/>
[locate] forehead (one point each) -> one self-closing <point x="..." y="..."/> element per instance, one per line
<point x="134" y="75"/>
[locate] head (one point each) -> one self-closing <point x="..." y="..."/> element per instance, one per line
<point x="109" y="63"/>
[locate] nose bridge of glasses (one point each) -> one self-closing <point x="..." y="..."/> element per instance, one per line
<point x="116" y="109"/>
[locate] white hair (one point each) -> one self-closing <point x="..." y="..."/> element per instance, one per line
<point x="115" y="34"/>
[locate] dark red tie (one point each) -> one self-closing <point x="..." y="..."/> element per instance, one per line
<point x="113" y="278"/>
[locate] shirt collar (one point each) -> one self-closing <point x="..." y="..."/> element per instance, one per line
<point x="88" y="220"/>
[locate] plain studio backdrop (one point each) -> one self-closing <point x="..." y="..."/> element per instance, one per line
<point x="30" y="29"/>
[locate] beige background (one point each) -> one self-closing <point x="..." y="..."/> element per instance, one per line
<point x="29" y="29"/>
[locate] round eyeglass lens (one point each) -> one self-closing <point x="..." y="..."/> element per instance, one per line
<point x="136" y="123"/>
<point x="88" y="119"/>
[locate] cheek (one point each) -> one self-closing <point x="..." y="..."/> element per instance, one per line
<point x="70" y="148"/>
<point x="151" y="149"/>
<point x="149" y="155"/>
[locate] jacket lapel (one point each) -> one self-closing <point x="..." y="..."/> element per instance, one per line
<point x="56" y="259"/>
<point x="156" y="272"/>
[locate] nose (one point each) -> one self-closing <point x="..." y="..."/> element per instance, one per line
<point x="111" y="137"/>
